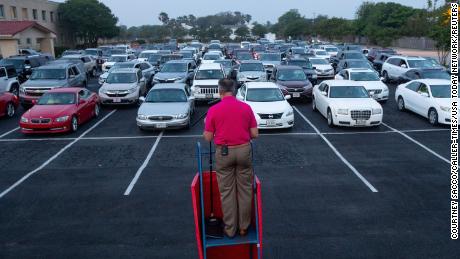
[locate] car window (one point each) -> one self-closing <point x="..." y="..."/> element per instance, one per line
<point x="413" y="86"/>
<point x="402" y="62"/>
<point x="84" y="94"/>
<point x="75" y="71"/>
<point x="11" y="71"/>
<point x="243" y="90"/>
<point x="70" y="72"/>
<point x="345" y="75"/>
<point x="423" y="89"/>
<point x="326" y="89"/>
<point x="2" y="72"/>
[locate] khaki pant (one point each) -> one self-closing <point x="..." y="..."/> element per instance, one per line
<point x="235" y="179"/>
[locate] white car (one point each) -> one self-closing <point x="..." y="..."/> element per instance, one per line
<point x="428" y="97"/>
<point x="123" y="86"/>
<point x="205" y="81"/>
<point x="144" y="55"/>
<point x="396" y="66"/>
<point x="270" y="106"/>
<point x="346" y="103"/>
<point x="369" y="79"/>
<point x="320" y="53"/>
<point x="114" y="59"/>
<point x="210" y="57"/>
<point x="324" y="70"/>
<point x="331" y="50"/>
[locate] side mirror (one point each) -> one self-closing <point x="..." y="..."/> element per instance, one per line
<point x="142" y="99"/>
<point x="71" y="76"/>
<point x="287" y="97"/>
<point x="191" y="70"/>
<point x="424" y="94"/>
<point x="239" y="97"/>
<point x="324" y="93"/>
<point x="403" y="66"/>
<point x="142" y="79"/>
<point x="382" y="78"/>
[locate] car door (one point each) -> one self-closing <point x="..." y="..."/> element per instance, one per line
<point x="410" y="95"/>
<point x="84" y="105"/>
<point x="3" y="79"/>
<point x="79" y="76"/>
<point x="422" y="100"/>
<point x="321" y="99"/>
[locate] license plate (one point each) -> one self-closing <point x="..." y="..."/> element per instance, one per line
<point x="296" y="95"/>
<point x="161" y="125"/>
<point x="271" y="123"/>
<point x="117" y="100"/>
<point x="209" y="95"/>
<point x="360" y="122"/>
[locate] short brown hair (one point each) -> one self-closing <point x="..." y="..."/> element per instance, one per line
<point x="226" y="85"/>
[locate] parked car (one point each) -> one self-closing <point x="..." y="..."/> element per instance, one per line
<point x="229" y="65"/>
<point x="353" y="63"/>
<point x="268" y="103"/>
<point x="306" y="66"/>
<point x="205" y="81"/>
<point x="374" y="52"/>
<point x="379" y="60"/>
<point x="292" y="81"/>
<point x="123" y="86"/>
<point x="24" y="65"/>
<point x="8" y="79"/>
<point x="116" y="58"/>
<point x="324" y="70"/>
<point x="147" y="70"/>
<point x="251" y="71"/>
<point x="346" y="54"/>
<point x="8" y="104"/>
<point x="71" y="52"/>
<point x="89" y="64"/>
<point x="346" y="103"/>
<point x="270" y="60"/>
<point x="97" y="54"/>
<point x="297" y="51"/>
<point x="60" y="110"/>
<point x="369" y="79"/>
<point x="430" y="98"/>
<point x="331" y="50"/>
<point x="395" y="67"/>
<point x="176" y="71"/>
<point x="50" y="76"/>
<point x="166" y="106"/>
<point x="320" y="53"/>
<point x="211" y="57"/>
<point x="424" y="73"/>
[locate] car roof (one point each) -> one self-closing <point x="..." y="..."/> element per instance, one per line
<point x="359" y="70"/>
<point x="185" y="61"/>
<point x="119" y="55"/>
<point x="351" y="51"/>
<point x="250" y="61"/>
<point x="261" y="85"/>
<point x="65" y="90"/>
<point x="210" y="66"/>
<point x="288" y="67"/>
<point x="180" y="86"/>
<point x="341" y="83"/>
<point x="125" y="70"/>
<point x="434" y="81"/>
<point x="57" y="64"/>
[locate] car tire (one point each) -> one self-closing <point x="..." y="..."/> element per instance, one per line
<point x="313" y="104"/>
<point x="330" y="119"/>
<point x="15" y="90"/>
<point x="74" y="124"/>
<point x="386" y="78"/>
<point x="401" y="104"/>
<point x="97" y="110"/>
<point x="433" y="116"/>
<point x="10" y="110"/>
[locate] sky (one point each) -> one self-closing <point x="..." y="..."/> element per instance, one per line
<point x="140" y="12"/>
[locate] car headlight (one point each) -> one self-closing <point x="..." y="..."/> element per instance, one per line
<point x="377" y="111"/>
<point x="156" y="79"/>
<point x="62" y="119"/>
<point x="101" y="80"/>
<point x="181" y="116"/>
<point x="445" y="108"/>
<point x="342" y="111"/>
<point x="196" y="90"/>
<point x="132" y="90"/>
<point x="385" y="90"/>
<point x="21" y="90"/>
<point x="24" y="119"/>
<point x="290" y="113"/>
<point x="142" y="117"/>
<point x="314" y="76"/>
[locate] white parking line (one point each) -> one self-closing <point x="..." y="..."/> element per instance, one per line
<point x="143" y="166"/>
<point x="418" y="143"/>
<point x="5" y="192"/>
<point x="8" y="132"/>
<point x="344" y="160"/>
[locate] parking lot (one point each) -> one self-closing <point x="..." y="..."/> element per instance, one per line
<point x="110" y="190"/>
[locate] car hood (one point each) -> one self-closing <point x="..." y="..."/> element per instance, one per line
<point x="114" y="87"/>
<point x="49" y="111"/>
<point x="211" y="82"/>
<point x="447" y="102"/>
<point x="269" y="107"/>
<point x="163" y="108"/>
<point x="167" y="75"/>
<point x="294" y="84"/>
<point x="251" y="73"/>
<point x="373" y="84"/>
<point x="354" y="103"/>
<point x="44" y="83"/>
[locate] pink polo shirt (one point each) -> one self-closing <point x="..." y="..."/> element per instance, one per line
<point x="230" y="121"/>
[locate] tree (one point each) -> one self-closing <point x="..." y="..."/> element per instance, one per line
<point x="440" y="31"/>
<point x="292" y="24"/>
<point x="258" y="30"/>
<point x="88" y="20"/>
<point x="163" y="17"/>
<point x="242" y="32"/>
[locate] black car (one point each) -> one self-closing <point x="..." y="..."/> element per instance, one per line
<point x="292" y="81"/>
<point x="374" y="52"/>
<point x="379" y="60"/>
<point x="24" y="65"/>
<point x="424" y="73"/>
<point x="306" y="66"/>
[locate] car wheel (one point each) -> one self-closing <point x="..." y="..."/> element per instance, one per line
<point x="401" y="104"/>
<point x="10" y="110"/>
<point x="313" y="104"/>
<point x="97" y="110"/>
<point x="433" y="116"/>
<point x="74" y="123"/>
<point x="15" y="90"/>
<point x="386" y="79"/>
<point x="330" y="120"/>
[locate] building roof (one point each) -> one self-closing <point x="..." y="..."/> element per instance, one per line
<point x="12" y="28"/>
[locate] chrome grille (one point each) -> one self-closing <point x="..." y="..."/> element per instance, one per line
<point x="117" y="93"/>
<point x="294" y="89"/>
<point x="270" y="116"/>
<point x="361" y="115"/>
<point x="40" y="121"/>
<point x="36" y="91"/>
<point x="160" y="118"/>
<point x="213" y="90"/>
<point x="375" y="91"/>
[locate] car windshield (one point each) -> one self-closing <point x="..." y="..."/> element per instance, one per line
<point x="17" y="63"/>
<point x="434" y="61"/>
<point x="91" y="52"/>
<point x="209" y="74"/>
<point x="419" y="63"/>
<point x="270" y="57"/>
<point x="348" y="92"/>
<point x="57" y="99"/>
<point x="291" y="75"/>
<point x="122" y="65"/>
<point x="211" y="57"/>
<point x="354" y="56"/>
<point x="321" y="52"/>
<point x="258" y="48"/>
<point x="173" y="68"/>
<point x="117" y="51"/>
<point x="244" y="56"/>
<point x="436" y="74"/>
<point x="48" y="74"/>
<point x="318" y="61"/>
<point x="166" y="96"/>
<point x="252" y="67"/>
<point x="186" y="54"/>
<point x="301" y="63"/>
<point x="154" y="58"/>
<point x="358" y="64"/>
<point x="117" y="59"/>
<point x="146" y="55"/>
<point x="225" y="63"/>
<point x="331" y="49"/>
<point x="121" y="78"/>
<point x="364" y="76"/>
<point x="441" y="91"/>
<point x="264" y="95"/>
<point x="298" y="51"/>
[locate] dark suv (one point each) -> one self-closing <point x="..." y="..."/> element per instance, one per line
<point x="292" y="81"/>
<point x="24" y="65"/>
<point x="306" y="66"/>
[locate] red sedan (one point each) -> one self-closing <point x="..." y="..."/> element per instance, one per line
<point x="60" y="110"/>
<point x="8" y="104"/>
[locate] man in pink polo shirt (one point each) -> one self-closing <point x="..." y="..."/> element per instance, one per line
<point x="232" y="125"/>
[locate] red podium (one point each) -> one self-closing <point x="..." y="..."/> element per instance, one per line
<point x="249" y="246"/>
